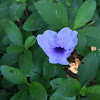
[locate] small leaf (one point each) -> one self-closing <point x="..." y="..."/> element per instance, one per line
<point x="34" y="22"/>
<point x="92" y="35"/>
<point x="82" y="46"/>
<point x="66" y="87"/>
<point x="87" y="71"/>
<point x="14" y="49"/>
<point x="16" y="10"/>
<point x="37" y="78"/>
<point x="30" y="41"/>
<point x="25" y="63"/>
<point x="83" y="91"/>
<point x="14" y="33"/>
<point x="38" y="60"/>
<point x="37" y="91"/>
<point x="21" y="95"/>
<point x="72" y="11"/>
<point x="54" y="14"/>
<point x="57" y="96"/>
<point x="50" y="70"/>
<point x="13" y="75"/>
<point x="93" y="92"/>
<point x="9" y="59"/>
<point x="85" y="13"/>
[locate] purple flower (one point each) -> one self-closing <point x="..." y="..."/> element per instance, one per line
<point x="58" y="47"/>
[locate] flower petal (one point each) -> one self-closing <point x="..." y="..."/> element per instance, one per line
<point x="67" y="38"/>
<point x="58" y="47"/>
<point x="60" y="58"/>
<point x="64" y="36"/>
<point x="47" y="41"/>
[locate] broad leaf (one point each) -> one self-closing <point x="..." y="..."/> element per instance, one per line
<point x="25" y="63"/>
<point x="21" y="95"/>
<point x="37" y="91"/>
<point x="57" y="96"/>
<point x="38" y="60"/>
<point x="85" y="13"/>
<point x="66" y="87"/>
<point x="14" y="33"/>
<point x="87" y="70"/>
<point x="98" y="75"/>
<point x="16" y="10"/>
<point x="92" y="35"/>
<point x="82" y="46"/>
<point x="9" y="59"/>
<point x="93" y="92"/>
<point x="54" y="14"/>
<point x="72" y="10"/>
<point x="14" y="49"/>
<point x="37" y="78"/>
<point x="13" y="75"/>
<point x="50" y="70"/>
<point x="3" y="11"/>
<point x="29" y="42"/>
<point x="34" y="22"/>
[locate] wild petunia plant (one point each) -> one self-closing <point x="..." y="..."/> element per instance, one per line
<point x="38" y="41"/>
<point x="58" y="47"/>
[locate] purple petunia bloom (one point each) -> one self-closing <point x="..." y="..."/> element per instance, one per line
<point x="58" y="47"/>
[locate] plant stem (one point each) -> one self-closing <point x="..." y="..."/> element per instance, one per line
<point x="26" y="13"/>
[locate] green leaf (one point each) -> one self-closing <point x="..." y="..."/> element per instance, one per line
<point x="83" y="91"/>
<point x="66" y="87"/>
<point x="29" y="42"/>
<point x="72" y="10"/>
<point x="14" y="49"/>
<point x="14" y="33"/>
<point x="3" y="11"/>
<point x="9" y="59"/>
<point x="37" y="91"/>
<point x="37" y="78"/>
<point x="84" y="98"/>
<point x="22" y="86"/>
<point x="22" y="1"/>
<point x="50" y="70"/>
<point x="92" y="35"/>
<point x="98" y="74"/>
<point x="98" y="2"/>
<point x="5" y="40"/>
<point x="38" y="60"/>
<point x="62" y="74"/>
<point x="82" y="46"/>
<point x="13" y="75"/>
<point x="16" y="10"/>
<point x="57" y="96"/>
<point x="6" y="84"/>
<point x="87" y="71"/>
<point x="85" y="13"/>
<point x="25" y="63"/>
<point x="54" y="14"/>
<point x="21" y="95"/>
<point x="34" y="23"/>
<point x="93" y="92"/>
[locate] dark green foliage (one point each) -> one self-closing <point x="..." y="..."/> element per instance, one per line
<point x="25" y="71"/>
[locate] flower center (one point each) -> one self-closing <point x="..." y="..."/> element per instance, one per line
<point x="59" y="50"/>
